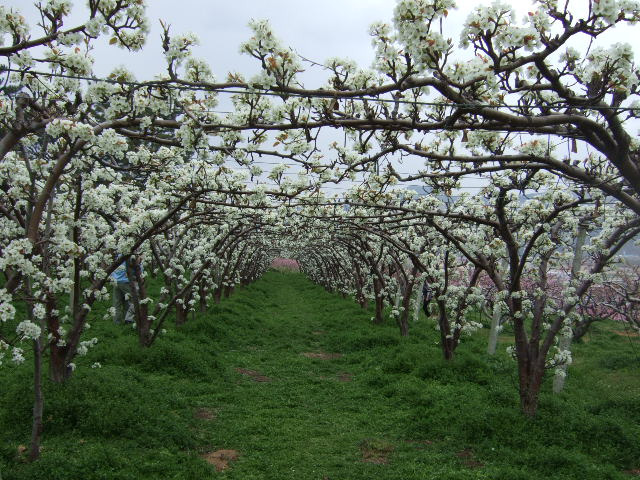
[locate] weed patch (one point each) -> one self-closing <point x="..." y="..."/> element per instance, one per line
<point x="199" y="403"/>
<point x="321" y="355"/>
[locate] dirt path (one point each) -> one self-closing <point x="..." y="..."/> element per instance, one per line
<point x="295" y="405"/>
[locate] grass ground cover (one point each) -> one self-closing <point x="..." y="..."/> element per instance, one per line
<point x="286" y="381"/>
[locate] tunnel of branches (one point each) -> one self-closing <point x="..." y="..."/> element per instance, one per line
<point x="501" y="179"/>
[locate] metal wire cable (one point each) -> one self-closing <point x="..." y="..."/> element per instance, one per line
<point x="268" y="92"/>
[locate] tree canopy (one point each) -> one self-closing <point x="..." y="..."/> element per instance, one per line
<point x="519" y="133"/>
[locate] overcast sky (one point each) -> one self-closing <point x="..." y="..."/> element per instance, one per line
<point x="316" y="30"/>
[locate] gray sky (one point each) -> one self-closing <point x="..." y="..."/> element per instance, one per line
<point x="316" y="30"/>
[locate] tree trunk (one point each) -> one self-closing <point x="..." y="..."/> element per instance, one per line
<point x="529" y="404"/>
<point x="406" y="307"/>
<point x="581" y="328"/>
<point x="403" y="318"/>
<point x="144" y="334"/>
<point x="138" y="293"/>
<point x="447" y="349"/>
<point x="418" y="305"/>
<point x="564" y="343"/>
<point x="378" y="319"/>
<point x="203" y="304"/>
<point x="59" y="371"/>
<point x="530" y="383"/>
<point x="446" y="340"/>
<point x="181" y="314"/>
<point x="38" y="402"/>
<point x="203" y="297"/>
<point x="362" y="301"/>
<point x="398" y="299"/>
<point x="495" y="329"/>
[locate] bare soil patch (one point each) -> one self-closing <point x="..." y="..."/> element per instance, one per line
<point x="205" y="413"/>
<point x="317" y="332"/>
<point x="321" y="355"/>
<point x="376" y="451"/>
<point x="626" y="334"/>
<point x="345" y="377"/>
<point x="221" y="458"/>
<point x="421" y="444"/>
<point x="254" y="375"/>
<point x="468" y="459"/>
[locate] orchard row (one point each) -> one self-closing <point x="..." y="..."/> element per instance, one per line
<point x="535" y="117"/>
